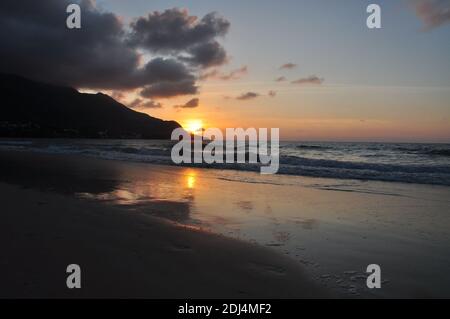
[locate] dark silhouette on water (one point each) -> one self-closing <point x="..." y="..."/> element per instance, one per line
<point x="34" y="109"/>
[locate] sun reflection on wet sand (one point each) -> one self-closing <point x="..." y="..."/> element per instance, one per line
<point x="191" y="179"/>
<point x="141" y="186"/>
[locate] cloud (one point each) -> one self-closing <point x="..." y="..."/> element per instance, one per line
<point x="151" y="105"/>
<point x="288" y="66"/>
<point x="232" y="75"/>
<point x="167" y="78"/>
<point x="105" y="54"/>
<point x="170" y="89"/>
<point x="433" y="13"/>
<point x="281" y="79"/>
<point x="161" y="69"/>
<point x="272" y="93"/>
<point x="309" y="80"/>
<point x="175" y="31"/>
<point x="189" y="104"/>
<point x="247" y="96"/>
<point x="117" y="95"/>
<point x="37" y="44"/>
<point x="136" y="103"/>
<point x="140" y="103"/>
<point x="206" y="55"/>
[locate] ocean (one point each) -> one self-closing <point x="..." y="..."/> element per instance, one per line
<point x="392" y="162"/>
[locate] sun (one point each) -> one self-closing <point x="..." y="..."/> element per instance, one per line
<point x="193" y="126"/>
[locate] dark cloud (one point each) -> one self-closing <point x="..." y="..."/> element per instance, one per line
<point x="243" y="97"/>
<point x="175" y="31"/>
<point x="135" y="103"/>
<point x="151" y="105"/>
<point x="166" y="70"/>
<point x="281" y="79"/>
<point x="195" y="102"/>
<point x="37" y="44"/>
<point x="288" y="66"/>
<point x="433" y="13"/>
<point x="232" y="75"/>
<point x="140" y="103"/>
<point x="248" y="96"/>
<point x="103" y="54"/>
<point x="313" y="79"/>
<point x="206" y="55"/>
<point x="170" y="89"/>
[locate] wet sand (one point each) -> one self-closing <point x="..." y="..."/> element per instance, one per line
<point x="218" y="233"/>
<point x="45" y="226"/>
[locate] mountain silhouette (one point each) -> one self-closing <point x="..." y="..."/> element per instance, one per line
<point x="35" y="109"/>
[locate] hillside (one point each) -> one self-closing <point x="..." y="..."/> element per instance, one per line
<point x="34" y="109"/>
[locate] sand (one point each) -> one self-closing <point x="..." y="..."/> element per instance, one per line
<point x="45" y="227"/>
<point x="144" y="230"/>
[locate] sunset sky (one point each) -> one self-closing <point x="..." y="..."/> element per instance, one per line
<point x="311" y="68"/>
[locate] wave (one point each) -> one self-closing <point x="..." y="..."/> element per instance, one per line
<point x="439" y="152"/>
<point x="322" y="163"/>
<point x="312" y="147"/>
<point x="424" y="150"/>
<point x="427" y="172"/>
<point x="420" y="174"/>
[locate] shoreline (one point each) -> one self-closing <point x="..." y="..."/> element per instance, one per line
<point x="385" y="168"/>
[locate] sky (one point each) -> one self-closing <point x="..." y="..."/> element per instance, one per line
<point x="337" y="79"/>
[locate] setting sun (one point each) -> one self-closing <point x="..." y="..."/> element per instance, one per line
<point x="193" y="126"/>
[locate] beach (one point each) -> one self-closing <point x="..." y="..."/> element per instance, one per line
<point x="141" y="230"/>
<point x="121" y="255"/>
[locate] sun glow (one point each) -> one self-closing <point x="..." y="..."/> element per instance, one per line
<point x="193" y="126"/>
